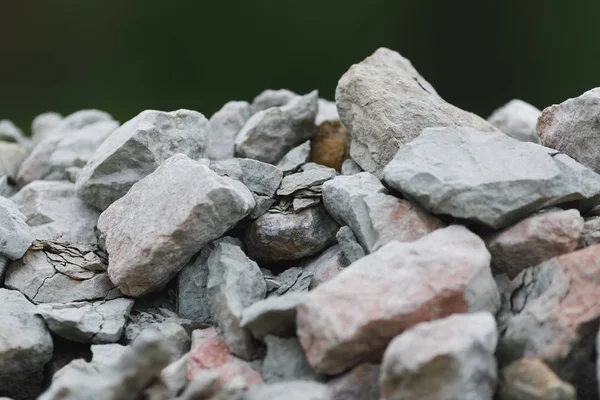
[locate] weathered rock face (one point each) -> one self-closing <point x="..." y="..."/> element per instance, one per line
<point x="518" y="120"/>
<point x="295" y="158"/>
<point x="349" y="245"/>
<point x="406" y="288"/>
<point x="571" y="127"/>
<point x="385" y="103"/>
<point x="447" y="359"/>
<point x="531" y="379"/>
<point x="25" y="346"/>
<point x="273" y="316"/>
<point x="331" y="145"/>
<point x="271" y="133"/>
<point x="12" y="156"/>
<point x="192" y="294"/>
<point x="15" y="235"/>
<point x="261" y="178"/>
<point x="325" y="266"/>
<point x="208" y="205"/>
<point x="284" y="237"/>
<point x="488" y="178"/>
<point x="306" y="183"/>
<point x="136" y="149"/>
<point x="225" y="124"/>
<point x="534" y="240"/>
<point x="361" y="383"/>
<point x="285" y="360"/>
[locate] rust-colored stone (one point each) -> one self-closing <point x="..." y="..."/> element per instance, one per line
<point x="331" y="145"/>
<point x="531" y="379"/>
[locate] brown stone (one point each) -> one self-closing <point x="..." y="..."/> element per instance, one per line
<point x="361" y="383"/>
<point x="331" y="145"/>
<point x="531" y="379"/>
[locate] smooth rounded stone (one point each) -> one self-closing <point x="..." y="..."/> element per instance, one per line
<point x="166" y="218"/>
<point x="272" y="316"/>
<point x="273" y="98"/>
<point x="552" y="312"/>
<point x="488" y="178"/>
<point x="284" y="237"/>
<point x="295" y="158"/>
<point x="269" y="134"/>
<point x="351" y="249"/>
<point x="571" y="127"/>
<point x="140" y="364"/>
<point x="361" y="383"/>
<point x="352" y="318"/>
<point x="12" y="156"/>
<point x="350" y="167"/>
<point x="107" y="353"/>
<point x="54" y="212"/>
<point x="531" y="379"/>
<point x="97" y="322"/>
<point x="15" y="234"/>
<point x="591" y="232"/>
<point x="44" y="125"/>
<point x="307" y="179"/>
<point x="327" y="112"/>
<point x="25" y="345"/>
<point x="291" y="390"/>
<point x="331" y="146"/>
<point x="534" y="240"/>
<point x="234" y="283"/>
<point x="136" y="149"/>
<point x="261" y="178"/>
<point x="385" y="103"/>
<point x="285" y="360"/>
<point x="518" y="120"/>
<point x="225" y="124"/>
<point x="447" y="359"/>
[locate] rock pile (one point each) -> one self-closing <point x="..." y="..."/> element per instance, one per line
<point x="401" y="249"/>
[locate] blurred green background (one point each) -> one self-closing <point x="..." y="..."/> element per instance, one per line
<point x="129" y="55"/>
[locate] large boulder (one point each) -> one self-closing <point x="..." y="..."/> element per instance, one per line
<point x="385" y="103"/>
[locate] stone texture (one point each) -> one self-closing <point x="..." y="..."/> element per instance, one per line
<point x="15" y="235"/>
<point x="534" y="240"/>
<point x="331" y="146"/>
<point x="54" y="213"/>
<point x="361" y="383"/>
<point x="259" y="177"/>
<point x="144" y="260"/>
<point x="385" y="103"/>
<point x="97" y="322"/>
<point x="591" y="232"/>
<point x="192" y="294"/>
<point x="136" y="149"/>
<point x="171" y="333"/>
<point x="225" y="124"/>
<point x="285" y="360"/>
<point x="107" y="353"/>
<point x="12" y="156"/>
<point x="324" y="267"/>
<point x="281" y="237"/>
<point x="531" y="379"/>
<point x="269" y="134"/>
<point x="291" y="390"/>
<point x="44" y="125"/>
<point x="25" y="346"/>
<point x="350" y="167"/>
<point x="295" y="158"/>
<point x="447" y="359"/>
<point x="273" y="316"/>
<point x="263" y="204"/>
<point x="489" y="178"/>
<point x="273" y="98"/>
<point x="518" y="120"/>
<point x="327" y="112"/>
<point x="443" y="273"/>
<point x="571" y="127"/>
<point x="351" y="249"/>
<point x="310" y="178"/>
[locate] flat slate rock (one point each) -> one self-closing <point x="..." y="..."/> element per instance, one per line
<point x="261" y="178"/>
<point x="295" y="158"/>
<point x="488" y="178"/>
<point x="272" y="316"/>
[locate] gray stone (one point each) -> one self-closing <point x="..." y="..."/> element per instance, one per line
<point x="488" y="178"/>
<point x="361" y="383"/>
<point x="234" y="283"/>
<point x="192" y="294"/>
<point x="289" y="280"/>
<point x="571" y="127"/>
<point x="273" y="316"/>
<point x="25" y="346"/>
<point x="285" y="360"/>
<point x="281" y="237"/>
<point x="136" y="149"/>
<point x="54" y="212"/>
<point x="299" y="204"/>
<point x="203" y="386"/>
<point x="518" y="120"/>
<point x="263" y="204"/>
<point x="308" y="179"/>
<point x="72" y="173"/>
<point x="12" y="156"/>
<point x="9" y="132"/>
<point x="270" y="134"/>
<point x="350" y="167"/>
<point x="208" y="205"/>
<point x="15" y="235"/>
<point x="591" y="232"/>
<point x="322" y="268"/>
<point x="97" y="322"/>
<point x="351" y="249"/>
<point x="3" y="266"/>
<point x="7" y="189"/>
<point x="295" y="158"/>
<point x="327" y="112"/>
<point x="259" y="177"/>
<point x="44" y="125"/>
<point x="225" y="124"/>
<point x="385" y="103"/>
<point x="273" y="98"/>
<point x="447" y="359"/>
<point x="291" y="390"/>
<point x="107" y="353"/>
<point x="173" y="334"/>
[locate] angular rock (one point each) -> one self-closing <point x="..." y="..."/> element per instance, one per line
<point x="54" y="213"/>
<point x="291" y="390"/>
<point x="531" y="379"/>
<point x="350" y="167"/>
<point x="534" y="240"/>
<point x="488" y="178"/>
<point x="25" y="346"/>
<point x="324" y="267"/>
<point x="136" y="149"/>
<point x="571" y="127"/>
<point x="285" y="360"/>
<point x="97" y="322"/>
<point x="15" y="235"/>
<point x="273" y="316"/>
<point x="173" y="334"/>
<point x="208" y="205"/>
<point x="295" y="158"/>
<point x="443" y="273"/>
<point x="351" y="249"/>
<point x="12" y="156"/>
<point x="273" y="98"/>
<point x="259" y="177"/>
<point x="269" y="134"/>
<point x="284" y="237"/>
<point x="44" y="125"/>
<point x="225" y="124"/>
<point x="361" y="383"/>
<point x="310" y="178"/>
<point x="107" y="353"/>
<point x="300" y="204"/>
<point x="518" y="120"/>
<point x="447" y="359"/>
<point x="327" y="112"/>
<point x="385" y="103"/>
<point x="263" y="204"/>
<point x="192" y="294"/>
<point x="234" y="283"/>
<point x="331" y="146"/>
<point x="591" y="232"/>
